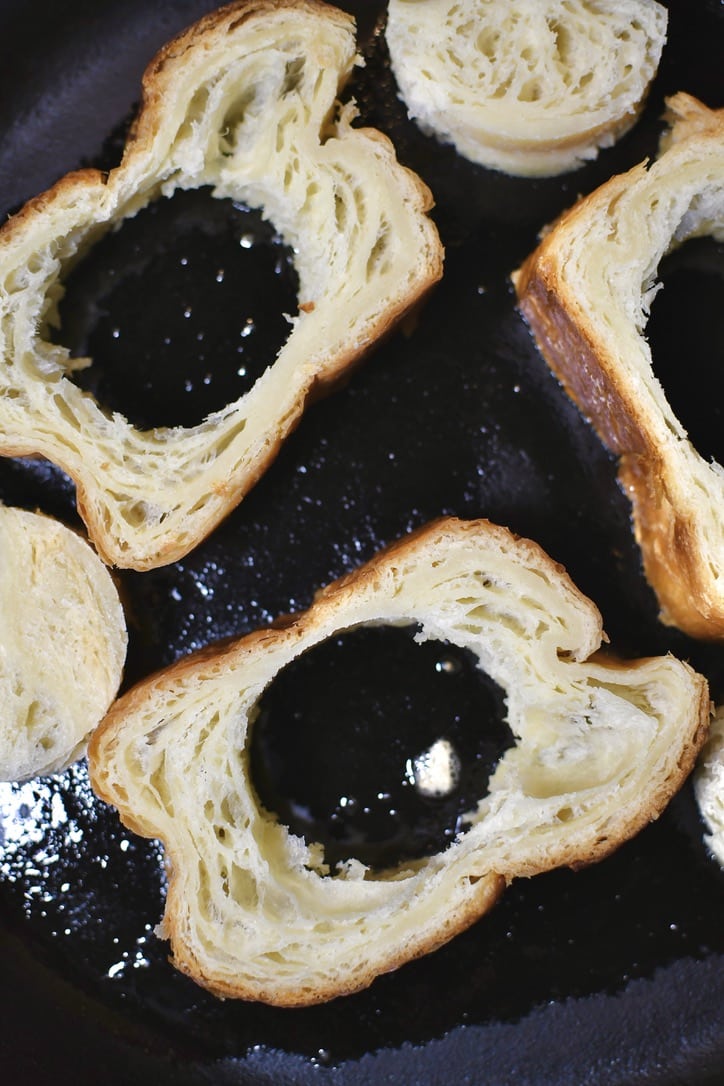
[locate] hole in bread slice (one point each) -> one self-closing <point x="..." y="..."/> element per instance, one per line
<point x="223" y="287"/>
<point x="376" y="746"/>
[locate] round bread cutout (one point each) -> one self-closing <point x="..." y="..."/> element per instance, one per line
<point x="533" y="88"/>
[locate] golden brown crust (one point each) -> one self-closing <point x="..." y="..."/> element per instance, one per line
<point x="229" y="17"/>
<point x="489" y="890"/>
<point x="600" y="364"/>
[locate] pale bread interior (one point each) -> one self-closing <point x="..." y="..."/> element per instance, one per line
<point x="245" y="102"/>
<point x="62" y="644"/>
<point x="709" y="786"/>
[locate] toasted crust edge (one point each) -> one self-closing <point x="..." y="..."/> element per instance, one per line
<point x="665" y="532"/>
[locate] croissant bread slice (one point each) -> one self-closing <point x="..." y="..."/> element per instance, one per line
<point x="586" y="292"/>
<point x="709" y="786"/>
<point x="600" y="746"/>
<point x="533" y="88"/>
<point x="62" y="644"/>
<point x="243" y="102"/>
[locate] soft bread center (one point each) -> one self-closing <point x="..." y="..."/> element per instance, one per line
<point x="180" y="310"/>
<point x="686" y="335"/>
<point x="376" y="746"/>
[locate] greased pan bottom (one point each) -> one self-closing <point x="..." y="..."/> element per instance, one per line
<point x="614" y="974"/>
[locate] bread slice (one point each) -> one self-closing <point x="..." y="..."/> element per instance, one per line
<point x="601" y="745"/>
<point x="709" y="786"/>
<point x="244" y="102"/>
<point x="62" y="644"/>
<point x="533" y="88"/>
<point x="586" y="292"/>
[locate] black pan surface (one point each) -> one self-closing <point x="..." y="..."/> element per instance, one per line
<point x="613" y="975"/>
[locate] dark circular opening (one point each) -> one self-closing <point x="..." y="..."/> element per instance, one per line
<point x="686" y="335"/>
<point x="376" y="746"/>
<point x="181" y="309"/>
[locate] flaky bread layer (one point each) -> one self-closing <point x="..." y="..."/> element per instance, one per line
<point x="252" y="912"/>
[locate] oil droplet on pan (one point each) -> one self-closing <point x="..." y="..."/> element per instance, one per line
<point x="435" y="771"/>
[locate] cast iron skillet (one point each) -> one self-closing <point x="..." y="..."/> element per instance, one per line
<point x="611" y="975"/>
